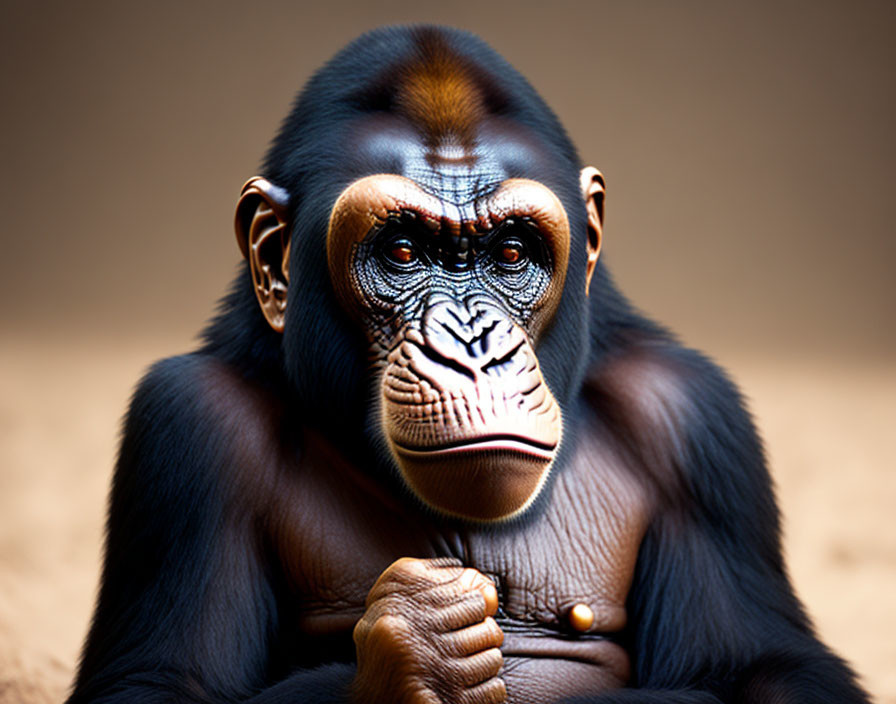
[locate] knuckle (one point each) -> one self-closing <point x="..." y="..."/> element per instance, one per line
<point x="492" y="691"/>
<point x="493" y="661"/>
<point x="389" y="631"/>
<point x="497" y="692"/>
<point x="471" y="579"/>
<point x="471" y="670"/>
<point x="361" y="631"/>
<point x="410" y="565"/>
<point x="423" y="695"/>
<point x="494" y="634"/>
<point x="395" y="578"/>
<point x="471" y="639"/>
<point x="456" y="616"/>
<point x="399" y="571"/>
<point x="411" y="574"/>
<point x="471" y="608"/>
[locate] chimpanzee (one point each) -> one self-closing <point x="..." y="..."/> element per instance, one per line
<point x="427" y="452"/>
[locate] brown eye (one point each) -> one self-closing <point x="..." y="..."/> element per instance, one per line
<point x="510" y="255"/>
<point x="401" y="251"/>
<point x="510" y="252"/>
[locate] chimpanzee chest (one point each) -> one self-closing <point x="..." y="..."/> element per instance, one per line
<point x="340" y="530"/>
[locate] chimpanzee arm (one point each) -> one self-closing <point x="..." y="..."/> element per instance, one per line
<point x="187" y="611"/>
<point x="713" y="615"/>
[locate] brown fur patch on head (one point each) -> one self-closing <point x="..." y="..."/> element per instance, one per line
<point x="440" y="93"/>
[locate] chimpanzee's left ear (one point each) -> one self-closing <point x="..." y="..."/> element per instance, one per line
<point x="262" y="233"/>
<point x="593" y="190"/>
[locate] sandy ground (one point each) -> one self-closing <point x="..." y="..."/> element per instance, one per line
<point x="829" y="430"/>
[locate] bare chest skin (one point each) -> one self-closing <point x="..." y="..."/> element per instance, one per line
<point x="336" y="531"/>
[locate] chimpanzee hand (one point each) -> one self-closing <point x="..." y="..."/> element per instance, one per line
<point x="428" y="637"/>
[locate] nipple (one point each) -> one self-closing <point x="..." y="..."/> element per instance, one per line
<point x="581" y="617"/>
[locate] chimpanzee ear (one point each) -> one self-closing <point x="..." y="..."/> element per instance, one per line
<point x="593" y="190"/>
<point x="262" y="233"/>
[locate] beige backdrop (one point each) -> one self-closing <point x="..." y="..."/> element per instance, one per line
<point x="749" y="153"/>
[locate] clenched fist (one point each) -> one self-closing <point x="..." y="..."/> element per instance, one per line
<point x="428" y="637"/>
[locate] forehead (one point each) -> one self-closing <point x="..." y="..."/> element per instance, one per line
<point x="458" y="173"/>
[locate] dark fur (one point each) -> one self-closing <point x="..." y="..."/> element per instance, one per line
<point x="712" y="615"/>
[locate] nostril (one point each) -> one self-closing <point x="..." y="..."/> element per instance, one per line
<point x="484" y="345"/>
<point x="437" y="357"/>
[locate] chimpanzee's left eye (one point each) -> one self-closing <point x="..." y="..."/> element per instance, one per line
<point x="510" y="252"/>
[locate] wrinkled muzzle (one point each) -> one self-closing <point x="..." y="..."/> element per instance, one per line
<point x="468" y="414"/>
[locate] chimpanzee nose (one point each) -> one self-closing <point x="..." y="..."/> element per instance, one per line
<point x="475" y="336"/>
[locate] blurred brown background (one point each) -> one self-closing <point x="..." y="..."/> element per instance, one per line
<point x="749" y="154"/>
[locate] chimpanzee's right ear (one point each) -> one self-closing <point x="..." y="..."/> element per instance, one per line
<point x="262" y="232"/>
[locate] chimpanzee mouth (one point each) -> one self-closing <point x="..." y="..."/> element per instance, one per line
<point x="486" y="443"/>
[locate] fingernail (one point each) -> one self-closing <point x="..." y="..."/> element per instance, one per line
<point x="491" y="599"/>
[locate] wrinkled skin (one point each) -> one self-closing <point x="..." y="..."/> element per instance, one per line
<point x="452" y="287"/>
<point x="428" y="636"/>
<point x="427" y="452"/>
<point x="453" y="272"/>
